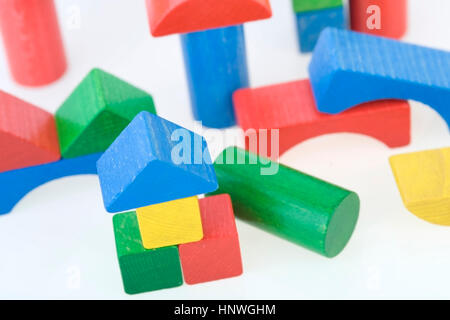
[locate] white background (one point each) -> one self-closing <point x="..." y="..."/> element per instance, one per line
<point x="59" y="242"/>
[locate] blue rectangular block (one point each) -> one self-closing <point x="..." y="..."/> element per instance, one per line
<point x="152" y="161"/>
<point x="311" y="23"/>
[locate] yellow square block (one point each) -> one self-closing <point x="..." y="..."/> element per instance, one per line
<point x="170" y="223"/>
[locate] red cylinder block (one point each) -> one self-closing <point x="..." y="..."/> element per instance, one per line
<point x="387" y="18"/>
<point x="32" y="41"/>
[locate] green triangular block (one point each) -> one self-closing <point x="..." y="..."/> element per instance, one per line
<point x="99" y="108"/>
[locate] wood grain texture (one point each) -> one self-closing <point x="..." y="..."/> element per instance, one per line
<point x="153" y="161"/>
<point x="216" y="66"/>
<point x="375" y="68"/>
<point x="27" y="134"/>
<point x="312" y="5"/>
<point x="15" y="184"/>
<point x="143" y="270"/>
<point x="290" y="108"/>
<point x="218" y="255"/>
<point x="170" y="223"/>
<point x="96" y="112"/>
<point x="311" y="23"/>
<point x="32" y="41"/>
<point x="184" y="16"/>
<point x="300" y="208"/>
<point x="393" y="17"/>
<point x="423" y="179"/>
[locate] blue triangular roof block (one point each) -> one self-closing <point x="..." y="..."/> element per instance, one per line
<point x="152" y="161"/>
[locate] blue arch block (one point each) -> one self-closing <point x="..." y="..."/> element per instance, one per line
<point x="216" y="66"/>
<point x="15" y="184"/>
<point x="152" y="161"/>
<point x="311" y="23"/>
<point x="349" y="68"/>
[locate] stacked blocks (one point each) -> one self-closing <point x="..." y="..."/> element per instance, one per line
<point x="287" y="202"/>
<point x="312" y="17"/>
<point x="389" y="69"/>
<point x="152" y="161"/>
<point x="96" y="112"/>
<point x="423" y="181"/>
<point x="86" y="124"/>
<point x="290" y="108"/>
<point x="213" y="47"/>
<point x="148" y="168"/>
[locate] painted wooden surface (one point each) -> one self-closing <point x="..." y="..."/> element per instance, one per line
<point x="15" y="184"/>
<point x="392" y="17"/>
<point x="32" y="41"/>
<point x="216" y="65"/>
<point x="300" y="208"/>
<point x="184" y="16"/>
<point x="375" y="68"/>
<point x="99" y="108"/>
<point x="311" y="23"/>
<point x="143" y="270"/>
<point x="312" y="5"/>
<point x="27" y="134"/>
<point x="153" y="161"/>
<point x="218" y="255"/>
<point x="170" y="223"/>
<point x="423" y="179"/>
<point x="290" y="108"/>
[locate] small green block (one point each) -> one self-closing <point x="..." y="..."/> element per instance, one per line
<point x="144" y="270"/>
<point x="99" y="108"/>
<point x="310" y="5"/>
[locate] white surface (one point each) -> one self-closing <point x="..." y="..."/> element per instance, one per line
<point x="60" y="233"/>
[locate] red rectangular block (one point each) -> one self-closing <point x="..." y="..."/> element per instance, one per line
<point x="28" y="134"/>
<point x="218" y="255"/>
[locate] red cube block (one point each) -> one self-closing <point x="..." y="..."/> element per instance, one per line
<point x="28" y="134"/>
<point x="218" y="255"/>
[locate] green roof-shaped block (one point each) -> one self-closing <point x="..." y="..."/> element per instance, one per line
<point x="99" y="108"/>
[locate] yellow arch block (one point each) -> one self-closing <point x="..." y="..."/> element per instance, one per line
<point x="170" y="223"/>
<point x="423" y="179"/>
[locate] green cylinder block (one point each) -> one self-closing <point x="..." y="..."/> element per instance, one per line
<point x="303" y="209"/>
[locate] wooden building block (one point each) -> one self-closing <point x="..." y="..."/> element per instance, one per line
<point x="312" y="5"/>
<point x="32" y="41"/>
<point x="218" y="255"/>
<point x="184" y="16"/>
<point x="300" y="208"/>
<point x="384" y="18"/>
<point x="170" y="223"/>
<point x="290" y="108"/>
<point x="423" y="179"/>
<point x="15" y="184"/>
<point x="96" y="112"/>
<point x="311" y="23"/>
<point x="153" y="161"/>
<point x="216" y="65"/>
<point x="143" y="270"/>
<point x="375" y="68"/>
<point x="27" y="134"/>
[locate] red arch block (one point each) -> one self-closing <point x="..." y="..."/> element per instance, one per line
<point x="28" y="134"/>
<point x="290" y="107"/>
<point x="183" y="16"/>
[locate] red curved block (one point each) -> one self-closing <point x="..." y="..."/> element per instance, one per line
<point x="183" y="16"/>
<point x="391" y="15"/>
<point x="290" y="107"/>
<point x="218" y="255"/>
<point x="32" y="41"/>
<point x="28" y="134"/>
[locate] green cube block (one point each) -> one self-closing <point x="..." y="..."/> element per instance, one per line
<point x="310" y="5"/>
<point x="144" y="270"/>
<point x="99" y="108"/>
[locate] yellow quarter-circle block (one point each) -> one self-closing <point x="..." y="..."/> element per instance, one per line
<point x="170" y="223"/>
<point x="423" y="179"/>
